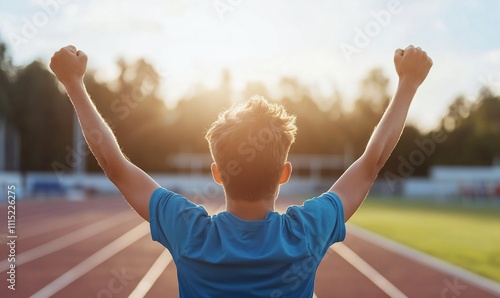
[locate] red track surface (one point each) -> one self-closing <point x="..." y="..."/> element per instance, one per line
<point x="117" y="275"/>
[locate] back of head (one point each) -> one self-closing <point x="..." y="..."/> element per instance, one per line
<point x="249" y="144"/>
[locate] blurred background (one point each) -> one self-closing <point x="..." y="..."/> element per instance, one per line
<point x="161" y="71"/>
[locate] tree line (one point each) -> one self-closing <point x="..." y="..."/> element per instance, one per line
<point x="32" y="102"/>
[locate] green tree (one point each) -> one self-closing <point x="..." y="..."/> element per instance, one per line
<point x="472" y="130"/>
<point x="368" y="109"/>
<point x="136" y="113"/>
<point x="44" y="118"/>
<point x="196" y="111"/>
<point x="6" y="72"/>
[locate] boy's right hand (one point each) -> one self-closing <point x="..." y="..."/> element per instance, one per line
<point x="412" y="65"/>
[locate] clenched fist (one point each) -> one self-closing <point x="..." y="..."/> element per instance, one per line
<point x="412" y="65"/>
<point x="69" y="65"/>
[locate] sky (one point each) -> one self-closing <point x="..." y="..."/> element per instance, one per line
<point x="327" y="45"/>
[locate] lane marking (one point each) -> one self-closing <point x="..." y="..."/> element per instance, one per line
<point x="40" y="230"/>
<point x="367" y="270"/>
<point x="454" y="270"/>
<point x="93" y="261"/>
<point x="152" y="275"/>
<point x="67" y="240"/>
<point x="70" y="208"/>
<point x="67" y="221"/>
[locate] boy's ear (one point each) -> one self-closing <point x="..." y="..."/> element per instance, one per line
<point x="216" y="173"/>
<point x="287" y="172"/>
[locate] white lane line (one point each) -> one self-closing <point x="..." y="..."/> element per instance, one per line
<point x="367" y="270"/>
<point x="480" y="281"/>
<point x="67" y="240"/>
<point x="29" y="230"/>
<point x="40" y="230"/>
<point x="48" y="228"/>
<point x="93" y="261"/>
<point x="152" y="275"/>
<point x="72" y="208"/>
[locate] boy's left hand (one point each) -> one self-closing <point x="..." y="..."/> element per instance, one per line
<point x="69" y="65"/>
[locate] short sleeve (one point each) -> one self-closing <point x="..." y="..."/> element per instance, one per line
<point x="322" y="221"/>
<point x="175" y="221"/>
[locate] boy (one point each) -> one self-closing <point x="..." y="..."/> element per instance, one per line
<point x="248" y="250"/>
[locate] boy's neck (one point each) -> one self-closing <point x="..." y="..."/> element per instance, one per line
<point x="250" y="210"/>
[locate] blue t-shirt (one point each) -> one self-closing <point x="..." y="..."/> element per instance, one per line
<point x="224" y="256"/>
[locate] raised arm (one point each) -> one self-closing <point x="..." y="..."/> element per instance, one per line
<point x="412" y="66"/>
<point x="69" y="66"/>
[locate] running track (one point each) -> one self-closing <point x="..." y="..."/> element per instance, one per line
<point x="101" y="248"/>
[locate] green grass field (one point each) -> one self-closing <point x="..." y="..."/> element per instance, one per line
<point x="467" y="236"/>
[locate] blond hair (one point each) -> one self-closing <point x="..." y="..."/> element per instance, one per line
<point x="249" y="144"/>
